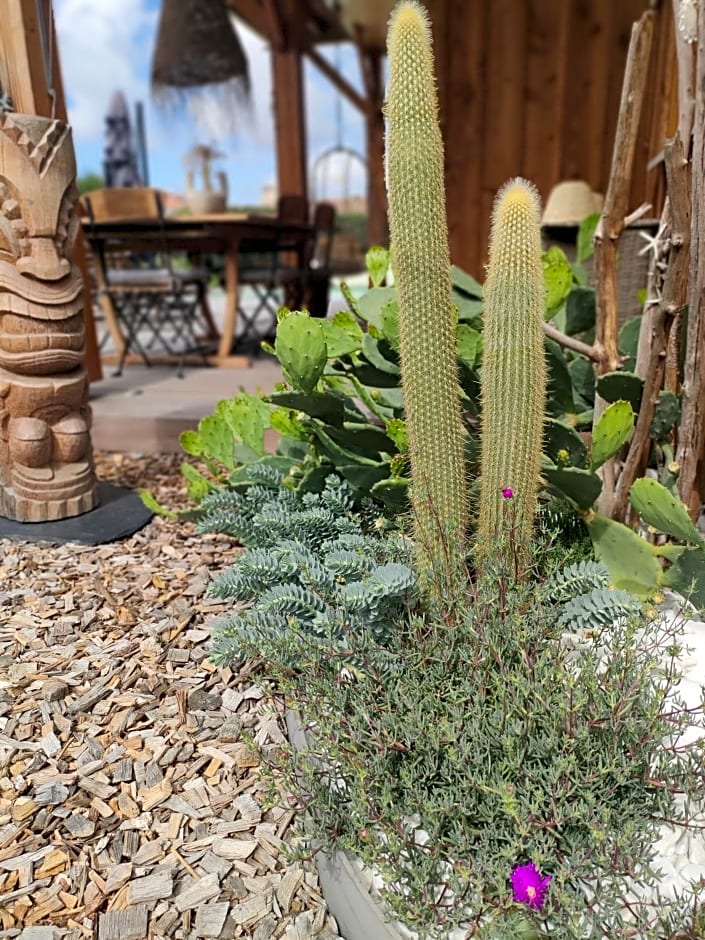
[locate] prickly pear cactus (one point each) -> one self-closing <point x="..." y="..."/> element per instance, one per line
<point x="513" y="373"/>
<point x="427" y="322"/>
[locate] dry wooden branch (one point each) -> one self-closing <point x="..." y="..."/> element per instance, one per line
<point x="685" y="55"/>
<point x="676" y="223"/>
<point x="570" y="342"/>
<point x="611" y="223"/>
<point x="691" y="439"/>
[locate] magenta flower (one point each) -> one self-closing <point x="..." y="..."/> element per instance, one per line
<point x="507" y="492"/>
<point x="529" y="886"/>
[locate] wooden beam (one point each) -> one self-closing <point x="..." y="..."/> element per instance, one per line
<point x="289" y="122"/>
<point x="341" y="84"/>
<point x="254" y="13"/>
<point x="23" y="75"/>
<point x="371" y="66"/>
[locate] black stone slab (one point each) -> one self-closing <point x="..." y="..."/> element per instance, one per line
<point x="119" y="514"/>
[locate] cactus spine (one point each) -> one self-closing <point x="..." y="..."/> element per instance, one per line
<point x="427" y="321"/>
<point x="513" y="373"/>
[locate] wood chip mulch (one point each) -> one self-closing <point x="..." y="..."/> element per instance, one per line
<point x="130" y="806"/>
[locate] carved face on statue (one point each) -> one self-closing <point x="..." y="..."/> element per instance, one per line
<point x="41" y="292"/>
<point x="46" y="469"/>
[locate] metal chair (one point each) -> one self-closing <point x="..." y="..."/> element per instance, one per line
<point x="273" y="268"/>
<point x="315" y="280"/>
<point x="154" y="303"/>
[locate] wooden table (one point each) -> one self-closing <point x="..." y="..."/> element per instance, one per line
<point x="222" y="233"/>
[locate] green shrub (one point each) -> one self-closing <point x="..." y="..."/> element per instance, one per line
<point x="316" y="569"/>
<point x="504" y="742"/>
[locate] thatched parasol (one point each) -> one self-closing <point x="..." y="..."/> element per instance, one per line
<point x="199" y="51"/>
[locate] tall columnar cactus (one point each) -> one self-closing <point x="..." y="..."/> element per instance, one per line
<point x="513" y="373"/>
<point x="427" y="323"/>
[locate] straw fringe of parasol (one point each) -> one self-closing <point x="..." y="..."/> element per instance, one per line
<point x="198" y="50"/>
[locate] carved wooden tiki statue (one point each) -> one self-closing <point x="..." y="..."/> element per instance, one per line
<point x="46" y="461"/>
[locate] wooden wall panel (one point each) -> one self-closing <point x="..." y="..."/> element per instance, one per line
<point x="585" y="94"/>
<point x="460" y="53"/>
<point x="545" y="90"/>
<point x="532" y="88"/>
<point x="502" y="134"/>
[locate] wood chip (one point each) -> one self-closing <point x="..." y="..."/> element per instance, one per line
<point x="195" y="894"/>
<point x="122" y="770"/>
<point x="130" y="924"/>
<point x="210" y="919"/>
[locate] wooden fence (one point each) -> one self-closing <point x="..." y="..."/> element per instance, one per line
<point x="532" y="88"/>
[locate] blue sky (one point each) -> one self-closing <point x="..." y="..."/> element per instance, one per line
<point x="106" y="45"/>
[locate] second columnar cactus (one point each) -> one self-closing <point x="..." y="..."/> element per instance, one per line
<point x="427" y="322"/>
<point x="513" y="374"/>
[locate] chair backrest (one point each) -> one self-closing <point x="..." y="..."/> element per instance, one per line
<point x="324" y="215"/>
<point x="292" y="207"/>
<point x="119" y="204"/>
<point x="138" y="204"/>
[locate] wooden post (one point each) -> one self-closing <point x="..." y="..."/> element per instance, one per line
<point x="691" y="435"/>
<point x="46" y="465"/>
<point x="23" y="75"/>
<point x="289" y="121"/>
<point x="371" y="66"/>
<point x="612" y="222"/>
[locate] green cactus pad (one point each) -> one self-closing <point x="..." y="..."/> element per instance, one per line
<point x="561" y="439"/>
<point x="580" y="486"/>
<point x="629" y="558"/>
<point x="580" y="310"/>
<point x="343" y="334"/>
<point x="247" y="416"/>
<point x="560" y="382"/>
<point x="328" y="406"/>
<point x="666" y="415"/>
<point x="216" y="440"/>
<point x="583" y="380"/>
<point x="612" y="430"/>
<point x="558" y="279"/>
<point x="369" y="307"/>
<point x="687" y="576"/>
<point x="658" y="507"/>
<point x="629" y="342"/>
<point x="377" y="264"/>
<point x="300" y="347"/>
<point x="468" y="344"/>
<point x="375" y="356"/>
<point x="621" y="386"/>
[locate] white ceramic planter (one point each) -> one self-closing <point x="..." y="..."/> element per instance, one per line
<point x="359" y="915"/>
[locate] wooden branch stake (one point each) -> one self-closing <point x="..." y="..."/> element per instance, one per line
<point x="611" y="223"/>
<point x="673" y="296"/>
<point x="691" y="438"/>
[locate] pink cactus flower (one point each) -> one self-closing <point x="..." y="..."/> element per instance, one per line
<point x="529" y="886"/>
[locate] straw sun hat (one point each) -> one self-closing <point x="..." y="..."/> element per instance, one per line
<point x="570" y="202"/>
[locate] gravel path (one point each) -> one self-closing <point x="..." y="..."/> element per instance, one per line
<point x="130" y="803"/>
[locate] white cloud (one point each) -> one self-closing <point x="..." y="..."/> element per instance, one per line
<point x="106" y="45"/>
<point x="103" y="46"/>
